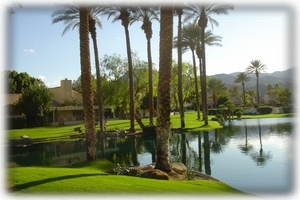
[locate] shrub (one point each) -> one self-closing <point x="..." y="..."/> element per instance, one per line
<point x="239" y="114"/>
<point x="287" y="109"/>
<point x="265" y="110"/>
<point x="16" y="122"/>
<point x="212" y="111"/>
<point x="220" y="118"/>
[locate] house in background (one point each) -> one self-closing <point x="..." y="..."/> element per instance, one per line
<point x="62" y="114"/>
<point x="67" y="106"/>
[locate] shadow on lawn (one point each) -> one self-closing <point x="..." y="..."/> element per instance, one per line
<point x="47" y="180"/>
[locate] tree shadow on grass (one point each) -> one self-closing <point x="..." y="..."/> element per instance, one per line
<point x="47" y="180"/>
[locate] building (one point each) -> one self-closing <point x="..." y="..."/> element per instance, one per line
<point x="66" y="106"/>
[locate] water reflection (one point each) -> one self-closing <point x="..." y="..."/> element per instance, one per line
<point x="242" y="147"/>
<point x="261" y="157"/>
<point x="246" y="148"/>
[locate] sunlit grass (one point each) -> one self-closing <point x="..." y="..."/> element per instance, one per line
<point x="191" y="124"/>
<point x="91" y="178"/>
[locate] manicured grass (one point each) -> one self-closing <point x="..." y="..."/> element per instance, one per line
<point x="191" y="124"/>
<point x="268" y="116"/>
<point x="91" y="178"/>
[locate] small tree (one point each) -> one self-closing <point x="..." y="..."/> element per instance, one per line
<point x="34" y="102"/>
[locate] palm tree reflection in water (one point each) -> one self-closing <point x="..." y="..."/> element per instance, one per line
<point x="261" y="157"/>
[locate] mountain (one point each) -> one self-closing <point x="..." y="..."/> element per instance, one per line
<point x="283" y="78"/>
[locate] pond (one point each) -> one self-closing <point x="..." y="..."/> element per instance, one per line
<point x="252" y="155"/>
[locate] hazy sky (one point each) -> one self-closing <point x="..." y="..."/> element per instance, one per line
<point x="248" y="32"/>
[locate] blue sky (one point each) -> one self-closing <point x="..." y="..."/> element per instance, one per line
<point x="248" y="32"/>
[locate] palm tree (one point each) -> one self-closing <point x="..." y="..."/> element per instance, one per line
<point x="69" y="14"/>
<point x="191" y="36"/>
<point x="210" y="40"/>
<point x="86" y="80"/>
<point x="203" y="13"/>
<point x="179" y="11"/>
<point x="242" y="78"/>
<point x="216" y="87"/>
<point x="163" y="128"/>
<point x="122" y="13"/>
<point x="147" y="15"/>
<point x="256" y="67"/>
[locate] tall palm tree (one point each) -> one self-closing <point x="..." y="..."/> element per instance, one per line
<point x="69" y="14"/>
<point x="179" y="12"/>
<point x="122" y="13"/>
<point x="191" y="39"/>
<point x="211" y="40"/>
<point x="163" y="128"/>
<point x="203" y="13"/>
<point x="86" y="80"/>
<point x="146" y="15"/>
<point x="216" y="87"/>
<point x="242" y="78"/>
<point x="256" y="67"/>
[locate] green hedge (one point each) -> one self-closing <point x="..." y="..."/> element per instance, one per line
<point x="16" y="122"/>
<point x="265" y="110"/>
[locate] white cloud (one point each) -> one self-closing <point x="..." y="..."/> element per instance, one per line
<point x="42" y="77"/>
<point x="29" y="50"/>
<point x="53" y="84"/>
<point x="119" y="38"/>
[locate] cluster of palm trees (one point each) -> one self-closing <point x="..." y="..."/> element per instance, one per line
<point x="256" y="66"/>
<point x="86" y="18"/>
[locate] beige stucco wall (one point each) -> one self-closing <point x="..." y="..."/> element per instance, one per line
<point x="12" y="98"/>
<point x="65" y="92"/>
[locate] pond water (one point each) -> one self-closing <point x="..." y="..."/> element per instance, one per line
<point x="253" y="155"/>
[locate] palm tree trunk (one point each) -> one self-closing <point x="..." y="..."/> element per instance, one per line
<point x="199" y="54"/>
<point x="151" y="104"/>
<point x="244" y="94"/>
<point x="163" y="128"/>
<point x="214" y="100"/>
<point x="97" y="65"/>
<point x="87" y="94"/>
<point x="196" y="85"/>
<point x="130" y="74"/>
<point x="201" y="86"/>
<point x="202" y="24"/>
<point x="257" y="91"/>
<point x="179" y="45"/>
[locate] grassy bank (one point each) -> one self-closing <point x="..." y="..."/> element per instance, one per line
<point x="191" y="124"/>
<point x="91" y="178"/>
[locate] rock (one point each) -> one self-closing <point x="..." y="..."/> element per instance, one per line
<point x="155" y="174"/>
<point x="179" y="168"/>
<point x="147" y="167"/>
<point x="174" y="175"/>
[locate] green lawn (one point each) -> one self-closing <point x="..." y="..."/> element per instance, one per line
<point x="91" y="178"/>
<point x="191" y="123"/>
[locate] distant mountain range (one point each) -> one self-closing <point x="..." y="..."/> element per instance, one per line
<point x="283" y="78"/>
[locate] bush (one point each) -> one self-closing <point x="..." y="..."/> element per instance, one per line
<point x="239" y="114"/>
<point x="16" y="122"/>
<point x="265" y="110"/>
<point x="287" y="109"/>
<point x="220" y="118"/>
<point x="212" y="111"/>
